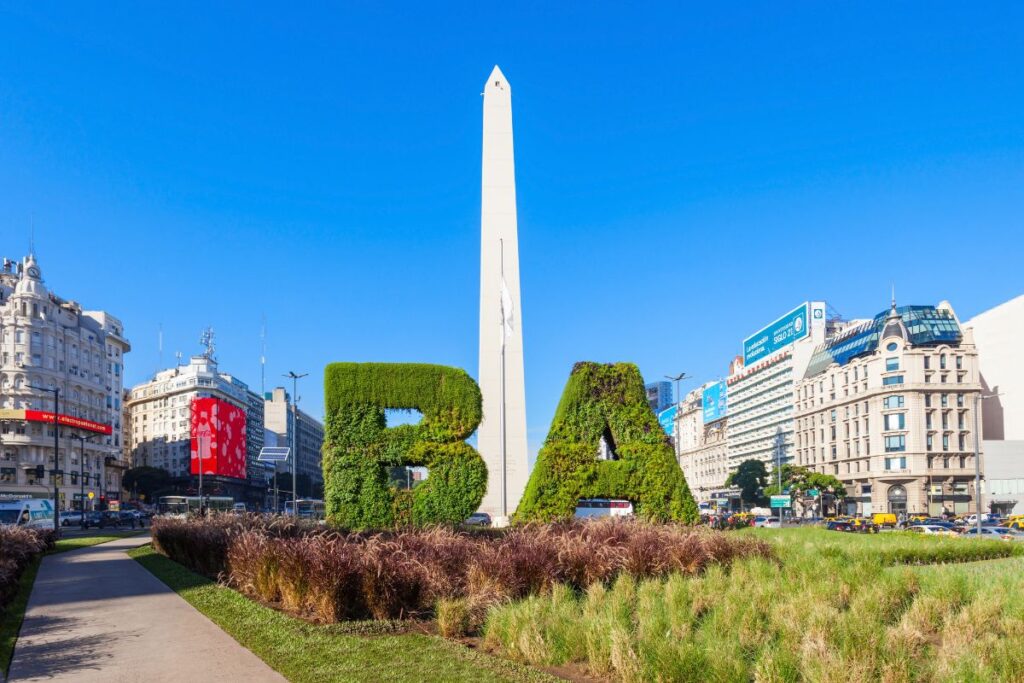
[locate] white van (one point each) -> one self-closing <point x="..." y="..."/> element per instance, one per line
<point x="31" y="513"/>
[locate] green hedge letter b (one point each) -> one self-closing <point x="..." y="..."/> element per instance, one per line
<point x="606" y="403"/>
<point x="359" y="448"/>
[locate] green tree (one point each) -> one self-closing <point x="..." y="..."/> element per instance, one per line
<point x="751" y="478"/>
<point x="148" y="482"/>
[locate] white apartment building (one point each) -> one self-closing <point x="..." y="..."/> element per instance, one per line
<point x="49" y="343"/>
<point x="760" y="388"/>
<point x="887" y="406"/>
<point x="159" y="412"/>
<point x="997" y="335"/>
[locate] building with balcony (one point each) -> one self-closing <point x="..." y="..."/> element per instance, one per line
<point x="58" y="363"/>
<point x="887" y="406"/>
<point x="702" y="448"/>
<point x="300" y="431"/>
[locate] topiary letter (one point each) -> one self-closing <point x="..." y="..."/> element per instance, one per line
<point x="606" y="401"/>
<point x="359" y="447"/>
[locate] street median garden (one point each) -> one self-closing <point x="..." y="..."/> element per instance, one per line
<point x="634" y="601"/>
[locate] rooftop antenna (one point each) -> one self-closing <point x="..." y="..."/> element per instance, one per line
<point x="894" y="295"/>
<point x="177" y="357"/>
<point x="32" y="238"/>
<point x="206" y="339"/>
<point x="160" y="346"/>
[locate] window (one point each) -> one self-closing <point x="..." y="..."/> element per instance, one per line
<point x="892" y="364"/>
<point x="927" y="362"/>
<point x="894" y="421"/>
<point x="963" y="443"/>
<point x="959" y="400"/>
<point x="944" y="400"/>
<point x="930" y="446"/>
<point x="833" y="414"/>
<point x="892" y="402"/>
<point x="945" y="442"/>
<point x="928" y="420"/>
<point x="927" y="400"/>
<point x="895" y="379"/>
<point x="959" y="362"/>
<point x="942" y="362"/>
<point x="892" y="346"/>
<point x="896" y="463"/>
<point x="895" y="444"/>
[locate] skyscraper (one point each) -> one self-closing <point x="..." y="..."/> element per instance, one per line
<point x="502" y="434"/>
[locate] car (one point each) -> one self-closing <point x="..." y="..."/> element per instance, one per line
<point x="92" y="518"/>
<point x="994" y="533"/>
<point x="1017" y="524"/>
<point x="766" y="522"/>
<point x="931" y="529"/>
<point x="478" y="519"/>
<point x="69" y="517"/>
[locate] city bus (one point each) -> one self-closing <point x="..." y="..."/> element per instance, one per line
<point x="309" y="508"/>
<point x="603" y="507"/>
<point x="180" y="506"/>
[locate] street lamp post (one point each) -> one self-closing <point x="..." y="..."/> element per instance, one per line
<point x="82" y="475"/>
<point x="295" y="377"/>
<point x="977" y="460"/>
<point x="56" y="461"/>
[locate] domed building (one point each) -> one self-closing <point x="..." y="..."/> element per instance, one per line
<point x="57" y="359"/>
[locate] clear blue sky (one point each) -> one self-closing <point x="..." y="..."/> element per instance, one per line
<point x="685" y="174"/>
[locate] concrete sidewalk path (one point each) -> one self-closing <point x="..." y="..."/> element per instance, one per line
<point x="95" y="614"/>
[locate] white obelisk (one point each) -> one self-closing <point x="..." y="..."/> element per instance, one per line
<point x="501" y="438"/>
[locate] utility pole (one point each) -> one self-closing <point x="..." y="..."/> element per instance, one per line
<point x="82" y="475"/>
<point x="295" y="377"/>
<point x="778" y="467"/>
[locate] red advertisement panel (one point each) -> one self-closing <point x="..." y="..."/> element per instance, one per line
<point x="218" y="430"/>
<point x="68" y="420"/>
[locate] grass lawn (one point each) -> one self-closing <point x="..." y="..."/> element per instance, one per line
<point x="10" y="620"/>
<point x="834" y="605"/>
<point x="302" y="651"/>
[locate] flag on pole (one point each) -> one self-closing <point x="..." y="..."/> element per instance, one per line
<point x="506" y="312"/>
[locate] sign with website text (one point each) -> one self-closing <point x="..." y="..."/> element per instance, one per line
<point x="780" y="501"/>
<point x="46" y="416"/>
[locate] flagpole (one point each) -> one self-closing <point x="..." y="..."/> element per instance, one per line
<point x="501" y="419"/>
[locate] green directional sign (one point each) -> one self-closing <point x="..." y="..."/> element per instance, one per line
<point x="813" y="493"/>
<point x="780" y="501"/>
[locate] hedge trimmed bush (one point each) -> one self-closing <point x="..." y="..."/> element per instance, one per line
<point x="609" y="401"/>
<point x="359" y="447"/>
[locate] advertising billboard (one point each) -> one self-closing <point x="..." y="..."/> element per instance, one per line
<point x="784" y="331"/>
<point x="46" y="416"/>
<point x="714" y="401"/>
<point x="667" y="420"/>
<point x="218" y="430"/>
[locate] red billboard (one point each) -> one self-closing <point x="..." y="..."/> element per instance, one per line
<point x="218" y="430"/>
<point x="68" y="420"/>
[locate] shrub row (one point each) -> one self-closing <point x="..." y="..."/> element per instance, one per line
<point x="18" y="547"/>
<point x="331" y="576"/>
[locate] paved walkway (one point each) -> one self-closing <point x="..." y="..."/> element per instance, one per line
<point x="95" y="614"/>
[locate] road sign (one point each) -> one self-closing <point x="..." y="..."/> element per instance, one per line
<point x="91" y="495"/>
<point x="780" y="501"/>
<point x="813" y="493"/>
<point x="274" y="454"/>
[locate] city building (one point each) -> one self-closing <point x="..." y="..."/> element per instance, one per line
<point x="163" y="433"/>
<point x="701" y="443"/>
<point x="997" y="336"/>
<point x="659" y="395"/>
<point x="887" y="406"/>
<point x="51" y="350"/>
<point x="306" y="445"/>
<point x="760" y="385"/>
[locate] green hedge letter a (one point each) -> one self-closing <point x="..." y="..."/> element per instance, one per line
<point x="360" y="449"/>
<point x="605" y="442"/>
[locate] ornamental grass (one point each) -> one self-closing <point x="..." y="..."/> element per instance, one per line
<point x="18" y="547"/>
<point x="328" y="575"/>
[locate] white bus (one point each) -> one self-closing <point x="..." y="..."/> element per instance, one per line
<point x="603" y="507"/>
<point x="185" y="505"/>
<point x="309" y="508"/>
<point x="30" y="513"/>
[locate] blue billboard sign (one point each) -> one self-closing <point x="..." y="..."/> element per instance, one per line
<point x="786" y="330"/>
<point x="714" y="401"/>
<point x="667" y="420"/>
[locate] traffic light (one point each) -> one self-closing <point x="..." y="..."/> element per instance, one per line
<point x="40" y="471"/>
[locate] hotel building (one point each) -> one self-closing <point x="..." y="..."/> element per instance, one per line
<point x="887" y="406"/>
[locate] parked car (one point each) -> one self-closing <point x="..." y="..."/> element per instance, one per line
<point x="852" y="524"/>
<point x="884" y="519"/>
<point x="478" y="519"/>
